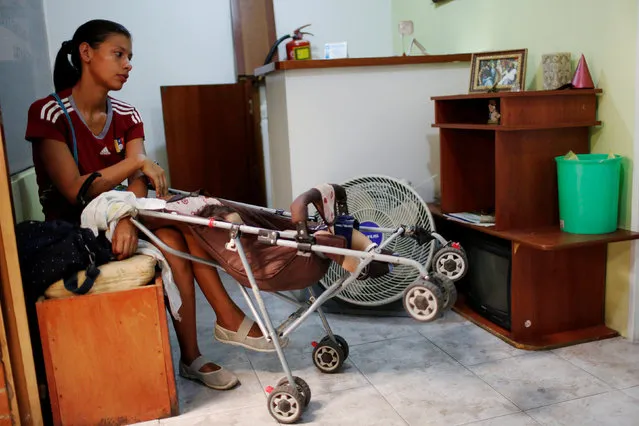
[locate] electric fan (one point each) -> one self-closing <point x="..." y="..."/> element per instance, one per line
<point x="378" y="201"/>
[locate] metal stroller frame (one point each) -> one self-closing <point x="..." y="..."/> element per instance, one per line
<point x="424" y="299"/>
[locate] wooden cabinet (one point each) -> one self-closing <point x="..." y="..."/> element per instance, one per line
<point x="557" y="280"/>
<point x="108" y="357"/>
<point x="213" y="140"/>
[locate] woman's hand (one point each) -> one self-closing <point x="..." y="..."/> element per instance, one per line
<point x="125" y="239"/>
<point x="157" y="176"/>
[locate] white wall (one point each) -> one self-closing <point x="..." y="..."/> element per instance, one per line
<point x="340" y="123"/>
<point x="190" y="42"/>
<point x="364" y="24"/>
<point x="174" y="43"/>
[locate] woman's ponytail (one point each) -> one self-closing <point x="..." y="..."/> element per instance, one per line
<point x="67" y="69"/>
<point x="65" y="73"/>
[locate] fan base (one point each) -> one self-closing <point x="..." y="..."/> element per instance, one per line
<point x="337" y="306"/>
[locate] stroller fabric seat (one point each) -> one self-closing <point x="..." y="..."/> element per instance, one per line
<point x="275" y="268"/>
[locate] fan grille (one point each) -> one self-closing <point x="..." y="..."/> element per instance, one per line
<point x="384" y="202"/>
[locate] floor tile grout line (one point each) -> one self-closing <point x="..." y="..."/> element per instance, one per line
<point x="612" y="388"/>
<point x="474" y="374"/>
<point x="379" y="393"/>
<point x="629" y="387"/>
<point x="484" y="362"/>
<point x="547" y="405"/>
<point x="293" y="372"/>
<point x="205" y="413"/>
<point x="383" y="340"/>
<point x="497" y="360"/>
<point x="585" y="371"/>
<point x="569" y="400"/>
<point x="452" y="325"/>
<point x="498" y="417"/>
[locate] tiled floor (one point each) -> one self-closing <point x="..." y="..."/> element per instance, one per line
<point x="401" y="372"/>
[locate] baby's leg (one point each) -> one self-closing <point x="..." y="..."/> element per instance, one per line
<point x="359" y="242"/>
<point x="349" y="263"/>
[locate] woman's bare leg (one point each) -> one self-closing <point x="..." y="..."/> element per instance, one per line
<point x="229" y="315"/>
<point x="186" y="329"/>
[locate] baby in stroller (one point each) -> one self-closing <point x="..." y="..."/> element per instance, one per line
<point x="335" y="218"/>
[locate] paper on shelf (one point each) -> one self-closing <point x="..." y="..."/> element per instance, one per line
<point x="475" y="219"/>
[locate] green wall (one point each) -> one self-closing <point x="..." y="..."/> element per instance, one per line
<point x="604" y="31"/>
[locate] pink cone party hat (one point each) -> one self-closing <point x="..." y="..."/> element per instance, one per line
<point x="582" y="78"/>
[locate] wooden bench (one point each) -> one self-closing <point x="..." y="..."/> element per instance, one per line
<point x="108" y="358"/>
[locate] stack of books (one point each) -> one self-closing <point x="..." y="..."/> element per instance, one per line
<point x="474" y="218"/>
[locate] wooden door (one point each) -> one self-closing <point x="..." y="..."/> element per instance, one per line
<point x="213" y="140"/>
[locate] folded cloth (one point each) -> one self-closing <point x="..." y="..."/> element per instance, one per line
<point x="104" y="211"/>
<point x="103" y="214"/>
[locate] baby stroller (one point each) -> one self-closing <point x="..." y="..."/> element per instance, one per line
<point x="277" y="251"/>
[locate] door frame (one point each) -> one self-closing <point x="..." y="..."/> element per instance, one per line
<point x="633" y="290"/>
<point x="15" y="339"/>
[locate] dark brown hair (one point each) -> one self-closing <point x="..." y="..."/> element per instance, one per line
<point x="66" y="73"/>
<point x="216" y="211"/>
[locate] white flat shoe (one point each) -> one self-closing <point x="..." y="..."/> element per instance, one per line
<point x="241" y="337"/>
<point x="221" y="379"/>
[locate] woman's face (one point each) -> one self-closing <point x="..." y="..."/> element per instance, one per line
<point x="110" y="63"/>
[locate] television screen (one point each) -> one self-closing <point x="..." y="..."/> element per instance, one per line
<point x="488" y="280"/>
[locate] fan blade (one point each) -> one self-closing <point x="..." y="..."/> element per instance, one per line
<point x="359" y="200"/>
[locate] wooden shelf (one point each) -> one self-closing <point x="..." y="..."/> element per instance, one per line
<point x="361" y="62"/>
<point x="545" y="238"/>
<point x="543" y="342"/>
<point x="498" y="128"/>
<point x="522" y="94"/>
<point x="510" y="167"/>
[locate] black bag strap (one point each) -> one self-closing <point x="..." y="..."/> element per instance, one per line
<point x="71" y="283"/>
<point x="81" y="197"/>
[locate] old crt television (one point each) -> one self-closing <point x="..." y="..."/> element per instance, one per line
<point x="487" y="283"/>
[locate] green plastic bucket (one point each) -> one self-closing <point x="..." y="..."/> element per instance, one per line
<point x="588" y="193"/>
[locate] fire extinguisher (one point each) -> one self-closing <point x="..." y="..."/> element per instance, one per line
<point x="296" y="49"/>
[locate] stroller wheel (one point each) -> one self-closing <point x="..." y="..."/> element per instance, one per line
<point x="340" y="341"/>
<point x="328" y="356"/>
<point x="285" y="404"/>
<point x="451" y="262"/>
<point x="447" y="286"/>
<point x="302" y="388"/>
<point x="423" y="300"/>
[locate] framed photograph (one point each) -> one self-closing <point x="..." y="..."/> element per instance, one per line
<point x="504" y="70"/>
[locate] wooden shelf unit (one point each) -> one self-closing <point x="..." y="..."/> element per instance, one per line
<point x="509" y="168"/>
<point x="557" y="280"/>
